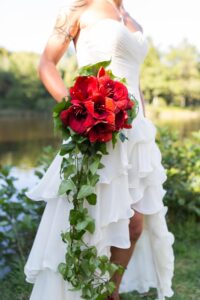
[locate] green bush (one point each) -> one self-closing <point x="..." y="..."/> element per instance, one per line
<point x="19" y="219"/>
<point x="13" y="286"/>
<point x="181" y="158"/>
<point x="19" y="216"/>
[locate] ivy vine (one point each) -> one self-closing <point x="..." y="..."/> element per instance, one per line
<point x="83" y="268"/>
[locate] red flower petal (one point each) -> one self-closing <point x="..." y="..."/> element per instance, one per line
<point x="84" y="87"/>
<point x="101" y="132"/>
<point x="90" y="106"/>
<point x="120" y="119"/>
<point x="101" y="72"/>
<point x="64" y="116"/>
<point x="110" y="104"/>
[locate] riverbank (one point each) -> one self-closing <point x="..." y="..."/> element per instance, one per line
<point x="165" y="113"/>
<point x="20" y="113"/>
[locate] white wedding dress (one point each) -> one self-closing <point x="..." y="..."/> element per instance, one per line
<point x="131" y="180"/>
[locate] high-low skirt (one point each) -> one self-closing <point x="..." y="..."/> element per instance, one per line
<point x="132" y="180"/>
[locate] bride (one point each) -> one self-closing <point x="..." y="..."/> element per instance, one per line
<point x="130" y="215"/>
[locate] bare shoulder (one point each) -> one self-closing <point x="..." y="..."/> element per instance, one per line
<point x="67" y="21"/>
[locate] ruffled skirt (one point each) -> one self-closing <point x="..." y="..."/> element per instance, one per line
<point x="132" y="180"/>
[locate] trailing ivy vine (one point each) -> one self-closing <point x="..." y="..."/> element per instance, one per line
<point x="83" y="268"/>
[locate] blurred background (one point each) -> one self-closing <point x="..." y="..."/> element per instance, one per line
<point x="170" y="81"/>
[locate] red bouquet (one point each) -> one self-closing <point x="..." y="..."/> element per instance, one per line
<point x="99" y="106"/>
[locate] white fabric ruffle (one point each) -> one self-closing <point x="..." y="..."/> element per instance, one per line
<point x="131" y="180"/>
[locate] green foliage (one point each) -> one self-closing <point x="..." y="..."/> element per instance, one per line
<point x="83" y="268"/>
<point x="173" y="76"/>
<point x="13" y="285"/>
<point x="181" y="158"/>
<point x="92" y="69"/>
<point x="20" y="85"/>
<point x="19" y="219"/>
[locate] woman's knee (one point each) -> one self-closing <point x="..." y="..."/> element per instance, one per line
<point x="136" y="226"/>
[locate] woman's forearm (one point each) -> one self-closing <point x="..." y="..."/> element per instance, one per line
<point x="50" y="77"/>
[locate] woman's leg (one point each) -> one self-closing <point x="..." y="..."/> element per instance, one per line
<point x="122" y="256"/>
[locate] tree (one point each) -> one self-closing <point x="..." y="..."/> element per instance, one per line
<point x="183" y="74"/>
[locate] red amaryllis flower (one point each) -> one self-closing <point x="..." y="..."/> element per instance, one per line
<point x="113" y="89"/>
<point x="120" y="119"/>
<point x="101" y="108"/>
<point x="77" y="117"/>
<point x="101" y="131"/>
<point x="84" y="87"/>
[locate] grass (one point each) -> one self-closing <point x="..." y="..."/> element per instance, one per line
<point x="186" y="282"/>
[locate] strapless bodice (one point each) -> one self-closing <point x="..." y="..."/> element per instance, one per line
<point x="111" y="39"/>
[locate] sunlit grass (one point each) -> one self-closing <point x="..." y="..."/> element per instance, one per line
<point x="186" y="281"/>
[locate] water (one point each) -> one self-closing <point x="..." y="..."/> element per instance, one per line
<point x="22" y="140"/>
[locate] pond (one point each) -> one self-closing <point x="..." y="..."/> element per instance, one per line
<point x="22" y="141"/>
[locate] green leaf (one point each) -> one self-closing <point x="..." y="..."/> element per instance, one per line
<point x="92" y="179"/>
<point x="66" y="237"/>
<point x="114" y="138"/>
<point x="85" y="191"/>
<point x="101" y="166"/>
<point x="66" y="148"/>
<point x="59" y="107"/>
<point x="69" y="170"/>
<point x="74" y="216"/>
<point x="112" y="268"/>
<point x="92" y="199"/>
<point x="62" y="268"/>
<point x="122" y="136"/>
<point x="91" y="226"/>
<point x="111" y="287"/>
<point x="82" y="225"/>
<point x="123" y="80"/>
<point x="87" y="224"/>
<point x="104" y="258"/>
<point x="121" y="269"/>
<point x="102" y="147"/>
<point x="92" y="69"/>
<point x="94" y="166"/>
<point x="66" y="185"/>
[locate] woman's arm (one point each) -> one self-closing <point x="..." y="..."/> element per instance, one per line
<point x="143" y="101"/>
<point x="65" y="29"/>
